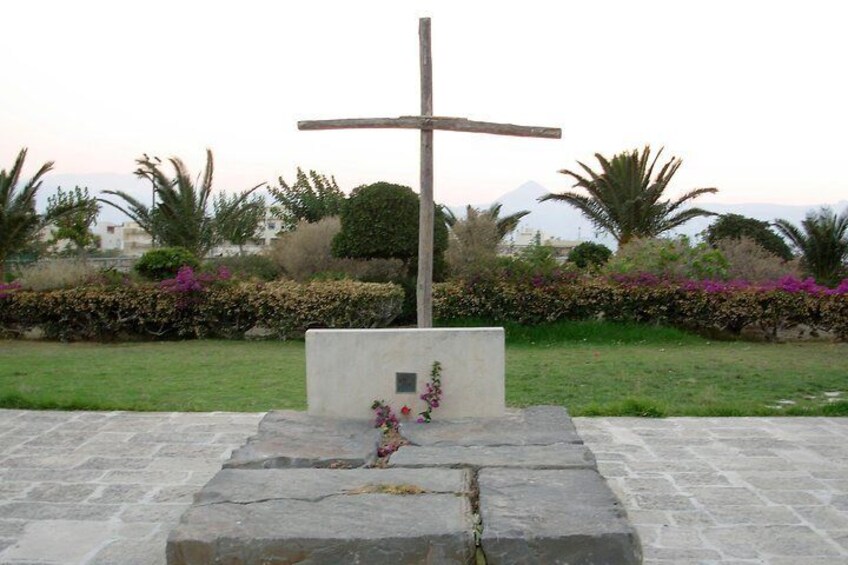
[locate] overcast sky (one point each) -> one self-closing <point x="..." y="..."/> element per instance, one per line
<point x="752" y="95"/>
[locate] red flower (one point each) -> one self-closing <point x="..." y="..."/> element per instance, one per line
<point x="405" y="410"/>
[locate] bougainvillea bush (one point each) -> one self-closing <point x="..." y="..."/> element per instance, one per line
<point x="195" y="305"/>
<point x="727" y="306"/>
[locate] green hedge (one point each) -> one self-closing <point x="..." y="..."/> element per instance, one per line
<point x="287" y="308"/>
<point x="164" y="262"/>
<point x="667" y="304"/>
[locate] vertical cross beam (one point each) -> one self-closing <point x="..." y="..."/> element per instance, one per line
<point x="424" y="294"/>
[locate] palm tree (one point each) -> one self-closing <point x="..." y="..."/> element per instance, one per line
<point x="504" y="225"/>
<point x="624" y="198"/>
<point x="822" y="241"/>
<point x="19" y="222"/>
<point x="238" y="220"/>
<point x="179" y="216"/>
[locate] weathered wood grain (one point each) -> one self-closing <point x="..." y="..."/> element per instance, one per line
<point x="433" y="123"/>
<point x="424" y="286"/>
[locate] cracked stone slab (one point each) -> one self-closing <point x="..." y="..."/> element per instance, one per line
<point x="536" y="425"/>
<point x="295" y="439"/>
<point x="556" y="456"/>
<point x="244" y="486"/>
<point x="327" y="516"/>
<point x="553" y="516"/>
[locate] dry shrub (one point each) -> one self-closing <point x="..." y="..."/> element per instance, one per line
<point x="748" y="260"/>
<point x="305" y="254"/>
<point x="57" y="274"/>
<point x="472" y="247"/>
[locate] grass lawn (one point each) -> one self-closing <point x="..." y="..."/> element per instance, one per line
<point x="186" y="376"/>
<point x="591" y="368"/>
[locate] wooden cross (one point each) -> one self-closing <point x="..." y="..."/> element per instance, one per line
<point x="427" y="123"/>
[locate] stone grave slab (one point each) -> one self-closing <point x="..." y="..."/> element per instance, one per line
<point x="536" y="425"/>
<point x="556" y="456"/>
<point x="525" y="481"/>
<point x="565" y="516"/>
<point x="328" y="516"/>
<point x="294" y="439"/>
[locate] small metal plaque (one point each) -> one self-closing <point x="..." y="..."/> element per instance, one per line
<point x="405" y="382"/>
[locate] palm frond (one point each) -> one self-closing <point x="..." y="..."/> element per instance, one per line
<point x="790" y="232"/>
<point x="238" y="202"/>
<point x="508" y="224"/>
<point x="450" y="217"/>
<point x="675" y="221"/>
<point x="822" y="240"/>
<point x="691" y="195"/>
<point x="134" y="209"/>
<point x="19" y="221"/>
<point x="624" y="197"/>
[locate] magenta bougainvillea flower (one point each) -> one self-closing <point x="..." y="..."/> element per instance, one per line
<point x="188" y="281"/>
<point x="433" y="395"/>
<point x="7" y="290"/>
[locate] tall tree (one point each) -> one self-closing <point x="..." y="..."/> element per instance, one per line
<point x="74" y="226"/>
<point x="19" y="221"/>
<point x="736" y="226"/>
<point x="180" y="215"/>
<point x="624" y="197"/>
<point x="311" y="198"/>
<point x="822" y="241"/>
<point x="239" y="220"/>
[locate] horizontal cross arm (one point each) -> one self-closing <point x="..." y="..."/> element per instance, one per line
<point x="433" y="123"/>
<point x="473" y="126"/>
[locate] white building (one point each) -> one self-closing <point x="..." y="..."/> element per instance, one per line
<point x="525" y="237"/>
<point x="268" y="234"/>
<point x="132" y="241"/>
<point x="110" y="236"/>
<point x="128" y="238"/>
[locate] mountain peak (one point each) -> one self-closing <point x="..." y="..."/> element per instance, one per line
<point x="529" y="190"/>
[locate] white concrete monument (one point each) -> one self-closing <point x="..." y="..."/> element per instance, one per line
<point x="347" y="370"/>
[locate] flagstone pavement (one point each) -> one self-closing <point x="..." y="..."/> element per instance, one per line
<point x="106" y="487"/>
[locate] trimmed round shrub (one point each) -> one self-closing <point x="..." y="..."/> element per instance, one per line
<point x="590" y="254"/>
<point x="380" y="221"/>
<point x="163" y="263"/>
